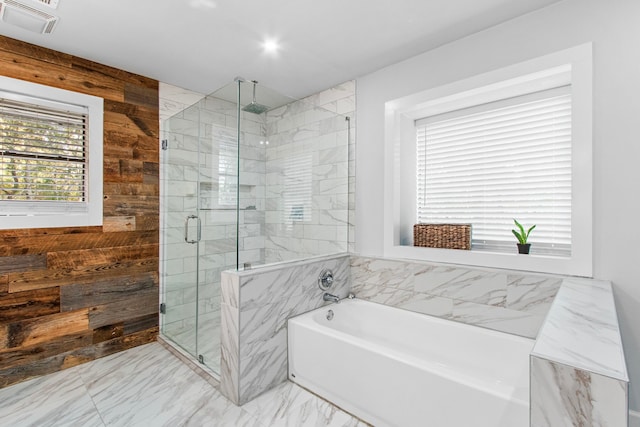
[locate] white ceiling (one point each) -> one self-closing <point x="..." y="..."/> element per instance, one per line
<point x="202" y="45"/>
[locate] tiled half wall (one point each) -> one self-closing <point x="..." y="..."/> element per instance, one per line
<point x="255" y="307"/>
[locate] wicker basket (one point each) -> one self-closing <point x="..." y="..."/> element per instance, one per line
<point x="447" y="236"/>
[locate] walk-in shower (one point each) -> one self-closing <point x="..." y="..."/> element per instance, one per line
<point x="248" y="177"/>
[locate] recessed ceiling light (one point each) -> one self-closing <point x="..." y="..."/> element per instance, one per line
<point x="270" y="46"/>
<point x="203" y="4"/>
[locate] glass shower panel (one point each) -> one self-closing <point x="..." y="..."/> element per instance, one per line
<point x="180" y="180"/>
<point x="218" y="177"/>
<point x="304" y="210"/>
<point x="200" y="193"/>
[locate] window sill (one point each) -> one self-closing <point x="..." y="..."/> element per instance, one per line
<point x="513" y="261"/>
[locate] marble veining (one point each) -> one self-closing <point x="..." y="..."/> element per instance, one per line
<point x="533" y="294"/>
<point x="562" y="395"/>
<point x="469" y="285"/>
<point x="60" y="399"/>
<point x="229" y="351"/>
<point x="497" y="318"/>
<point x="148" y="386"/>
<point x="581" y="329"/>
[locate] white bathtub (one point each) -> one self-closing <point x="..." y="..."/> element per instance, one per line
<point x="392" y="367"/>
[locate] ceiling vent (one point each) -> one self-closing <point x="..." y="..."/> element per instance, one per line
<point x="27" y="17"/>
<point x="53" y="4"/>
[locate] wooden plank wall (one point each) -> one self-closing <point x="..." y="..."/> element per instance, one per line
<point x="71" y="295"/>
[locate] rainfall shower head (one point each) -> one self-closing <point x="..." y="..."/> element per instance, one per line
<point x="254" y="107"/>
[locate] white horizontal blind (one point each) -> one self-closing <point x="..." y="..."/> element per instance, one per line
<point x="298" y="188"/>
<point x="43" y="158"/>
<point x="227" y="169"/>
<point x="489" y="164"/>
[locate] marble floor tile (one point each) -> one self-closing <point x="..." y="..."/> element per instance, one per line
<point x="59" y="399"/>
<point x="317" y="413"/>
<point x="219" y="411"/>
<point x="149" y="386"/>
<point x="276" y="403"/>
<point x="291" y="405"/>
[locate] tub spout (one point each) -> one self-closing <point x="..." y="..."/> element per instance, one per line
<point x="330" y="297"/>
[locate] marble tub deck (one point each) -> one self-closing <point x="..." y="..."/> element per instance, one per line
<point x="148" y="386"/>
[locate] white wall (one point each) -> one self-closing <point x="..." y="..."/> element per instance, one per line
<point x="613" y="27"/>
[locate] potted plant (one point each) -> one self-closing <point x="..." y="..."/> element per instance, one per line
<point x="522" y="236"/>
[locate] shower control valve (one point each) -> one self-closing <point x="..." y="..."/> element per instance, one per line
<point x="325" y="280"/>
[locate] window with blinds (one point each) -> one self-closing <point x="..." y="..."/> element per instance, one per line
<point x="227" y="169"/>
<point x="43" y="158"/>
<point x="489" y="164"/>
<point x="297" y="188"/>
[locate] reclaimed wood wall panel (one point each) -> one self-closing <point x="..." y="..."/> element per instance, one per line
<point x="23" y="356"/>
<point x="78" y="296"/>
<point x="68" y="359"/>
<point x="12" y="264"/>
<point x="50" y="243"/>
<point x="4" y="284"/>
<point x="73" y="294"/>
<point x="144" y="303"/>
<point x="25" y="333"/>
<point x="28" y="305"/>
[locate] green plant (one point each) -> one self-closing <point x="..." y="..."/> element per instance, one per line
<point x="522" y="235"/>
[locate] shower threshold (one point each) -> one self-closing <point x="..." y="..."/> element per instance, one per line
<point x="203" y="370"/>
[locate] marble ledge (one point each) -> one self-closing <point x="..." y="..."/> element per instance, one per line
<point x="581" y="329"/>
<point x="277" y="266"/>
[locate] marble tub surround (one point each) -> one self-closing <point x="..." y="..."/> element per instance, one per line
<point x="582" y="329"/>
<point x="578" y="370"/>
<point x="563" y="395"/>
<point x="255" y="307"/>
<point x="507" y="301"/>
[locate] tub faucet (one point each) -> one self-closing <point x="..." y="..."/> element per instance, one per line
<point x="330" y="297"/>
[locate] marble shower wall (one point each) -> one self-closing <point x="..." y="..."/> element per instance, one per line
<point x="255" y="307"/>
<point x="310" y="176"/>
<point x="512" y="302"/>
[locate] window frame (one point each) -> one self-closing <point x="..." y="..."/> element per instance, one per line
<point x="574" y="64"/>
<point x="47" y="96"/>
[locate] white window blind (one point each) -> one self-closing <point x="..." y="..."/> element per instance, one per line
<point x="43" y="158"/>
<point x="489" y="164"/>
<point x="298" y="188"/>
<point x="227" y="169"/>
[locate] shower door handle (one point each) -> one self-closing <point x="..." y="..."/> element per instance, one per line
<point x="186" y="229"/>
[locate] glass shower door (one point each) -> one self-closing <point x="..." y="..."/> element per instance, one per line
<point x="217" y="210"/>
<point x="179" y="228"/>
<point x="199" y="202"/>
